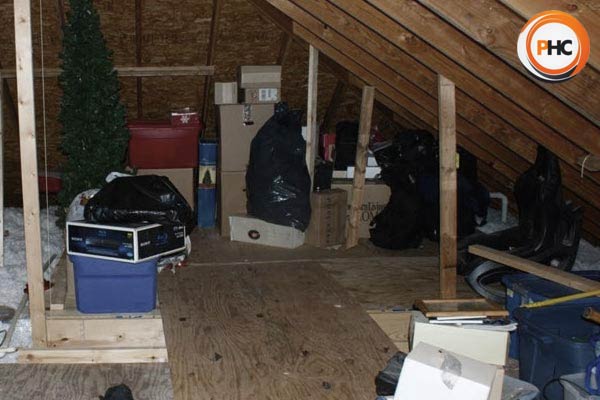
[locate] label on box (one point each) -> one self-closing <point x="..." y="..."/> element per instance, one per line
<point x="270" y="94"/>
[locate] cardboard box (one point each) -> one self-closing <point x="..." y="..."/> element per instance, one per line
<point x="430" y="372"/>
<point x="238" y="124"/>
<point x="259" y="76"/>
<point x="253" y="230"/>
<point x="260" y="95"/>
<point x="226" y="93"/>
<point x="130" y="243"/>
<point x="182" y="178"/>
<point x="375" y="198"/>
<point x="370" y="172"/>
<point x="232" y="198"/>
<point x="328" y="218"/>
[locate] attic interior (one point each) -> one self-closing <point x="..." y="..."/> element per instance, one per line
<point x="279" y="295"/>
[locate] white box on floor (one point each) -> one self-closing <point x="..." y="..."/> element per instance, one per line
<point x="370" y="172"/>
<point x="430" y="372"/>
<point x="253" y="230"/>
<point x="487" y="346"/>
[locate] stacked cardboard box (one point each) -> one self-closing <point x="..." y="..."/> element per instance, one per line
<point x="260" y="84"/>
<point x="328" y="218"/>
<point x="238" y="124"/>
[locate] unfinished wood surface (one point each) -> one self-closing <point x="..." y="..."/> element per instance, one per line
<point x="209" y="248"/>
<point x="286" y="42"/>
<point x="93" y="356"/>
<point x="589" y="162"/>
<point x="58" y="291"/>
<point x="396" y="325"/>
<point x="448" y="185"/>
<point x="29" y="170"/>
<point x="334" y="103"/>
<point x="499" y="35"/>
<point x="210" y="56"/>
<point x="1" y="171"/>
<point x="105" y="333"/>
<point x="83" y="382"/>
<point x="543" y="271"/>
<point x="460" y="307"/>
<point x="586" y="11"/>
<point x="360" y="165"/>
<point x="274" y="331"/>
<point x="312" y="134"/>
<point x="138" y="56"/>
<point x="394" y="282"/>
<point x="194" y="70"/>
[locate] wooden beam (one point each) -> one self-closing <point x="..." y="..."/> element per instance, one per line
<point x="334" y="103"/>
<point x="29" y="170"/>
<point x="312" y="134"/>
<point x="210" y="55"/>
<point x="138" y="56"/>
<point x="360" y="165"/>
<point x="523" y="93"/>
<point x="498" y="35"/>
<point x="1" y="171"/>
<point x="585" y="11"/>
<point x="93" y="356"/>
<point x="488" y="119"/>
<point x="194" y="70"/>
<point x="448" y="187"/>
<point x="589" y="162"/>
<point x="286" y="42"/>
<point x="531" y="267"/>
<point x="60" y="11"/>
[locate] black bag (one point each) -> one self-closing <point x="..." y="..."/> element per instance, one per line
<point x="148" y="198"/>
<point x="277" y="180"/>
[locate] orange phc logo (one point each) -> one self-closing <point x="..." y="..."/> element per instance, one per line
<point x="553" y="46"/>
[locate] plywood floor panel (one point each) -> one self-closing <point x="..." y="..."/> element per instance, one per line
<point x="272" y="331"/>
<point x="83" y="382"/>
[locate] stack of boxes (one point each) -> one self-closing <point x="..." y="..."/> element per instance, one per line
<point x="258" y="88"/>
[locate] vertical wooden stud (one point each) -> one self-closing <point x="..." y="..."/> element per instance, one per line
<point x="210" y="55"/>
<point x="360" y="165"/>
<point x="29" y="170"/>
<point x="312" y="135"/>
<point x="1" y="171"/>
<point x="336" y="99"/>
<point x="286" y="42"/>
<point x="448" y="187"/>
<point x="138" y="57"/>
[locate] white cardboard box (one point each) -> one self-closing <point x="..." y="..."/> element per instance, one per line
<point x="259" y="76"/>
<point x="487" y="346"/>
<point x="226" y="93"/>
<point x="430" y="372"/>
<point x="253" y="230"/>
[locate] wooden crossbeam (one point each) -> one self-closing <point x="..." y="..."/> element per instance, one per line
<point x="543" y="271"/>
<point x="194" y="70"/>
<point x="93" y="356"/>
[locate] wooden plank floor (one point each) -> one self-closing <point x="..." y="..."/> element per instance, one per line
<point x="83" y="382"/>
<point x="270" y="331"/>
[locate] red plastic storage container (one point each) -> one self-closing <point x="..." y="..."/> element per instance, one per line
<point x="158" y="144"/>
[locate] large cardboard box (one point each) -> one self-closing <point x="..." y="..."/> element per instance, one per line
<point x="375" y="198"/>
<point x="232" y="198"/>
<point x="259" y="76"/>
<point x="430" y="372"/>
<point x="238" y="124"/>
<point x="182" y="178"/>
<point x="260" y="95"/>
<point x="328" y="218"/>
<point x="253" y="230"/>
<point x="226" y="93"/>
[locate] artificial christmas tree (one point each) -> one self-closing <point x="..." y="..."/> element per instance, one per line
<point x="94" y="131"/>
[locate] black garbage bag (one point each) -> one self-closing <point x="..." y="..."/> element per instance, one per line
<point x="277" y="180"/>
<point x="119" y="392"/>
<point x="148" y="198"/>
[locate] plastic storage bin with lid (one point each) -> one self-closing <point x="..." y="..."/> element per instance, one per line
<point x="574" y="387"/>
<point x="554" y="341"/>
<point x="526" y="288"/>
<point x="158" y="144"/>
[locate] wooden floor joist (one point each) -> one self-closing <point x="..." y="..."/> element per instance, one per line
<point x="93" y="356"/>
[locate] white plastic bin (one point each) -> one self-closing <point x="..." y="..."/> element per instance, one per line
<point x="574" y="387"/>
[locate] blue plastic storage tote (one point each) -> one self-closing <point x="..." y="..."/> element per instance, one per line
<point x="207" y="206"/>
<point x="107" y="286"/>
<point x="526" y="288"/>
<point x="207" y="152"/>
<point x="554" y="341"/>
